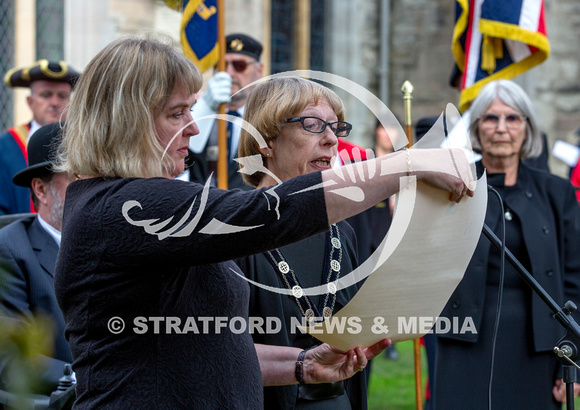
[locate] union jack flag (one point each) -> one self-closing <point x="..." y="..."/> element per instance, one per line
<point x="495" y="39"/>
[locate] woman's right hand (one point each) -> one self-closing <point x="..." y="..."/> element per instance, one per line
<point x="325" y="364"/>
<point x="364" y="184"/>
<point x="447" y="169"/>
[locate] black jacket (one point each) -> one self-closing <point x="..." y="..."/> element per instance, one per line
<point x="550" y="219"/>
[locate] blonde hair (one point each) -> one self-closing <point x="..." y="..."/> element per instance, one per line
<point x="271" y="103"/>
<point x="109" y="130"/>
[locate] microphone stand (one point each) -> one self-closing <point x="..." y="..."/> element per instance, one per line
<point x="567" y="348"/>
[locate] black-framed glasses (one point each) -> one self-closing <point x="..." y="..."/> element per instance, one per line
<point x="318" y="125"/>
<point x="513" y="121"/>
<point x="240" y="65"/>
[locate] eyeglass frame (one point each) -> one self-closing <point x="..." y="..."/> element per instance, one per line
<point x="499" y="118"/>
<point x="246" y="64"/>
<point x="301" y="120"/>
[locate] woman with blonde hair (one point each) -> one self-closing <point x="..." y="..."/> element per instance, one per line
<point x="154" y="314"/>
<point x="300" y="122"/>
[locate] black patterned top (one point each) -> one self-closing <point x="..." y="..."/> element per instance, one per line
<point x="169" y="292"/>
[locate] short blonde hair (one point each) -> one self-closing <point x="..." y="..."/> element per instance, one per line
<point x="271" y="103"/>
<point x="109" y="130"/>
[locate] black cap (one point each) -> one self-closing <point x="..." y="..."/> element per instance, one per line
<point x="41" y="154"/>
<point x="41" y="70"/>
<point x="242" y="44"/>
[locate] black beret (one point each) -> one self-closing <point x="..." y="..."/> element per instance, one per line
<point x="242" y="44"/>
<point x="41" y="149"/>
<point x="41" y="70"/>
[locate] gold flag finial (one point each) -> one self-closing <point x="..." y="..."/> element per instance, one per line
<point x="407" y="90"/>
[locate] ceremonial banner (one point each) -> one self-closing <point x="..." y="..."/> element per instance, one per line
<point x="199" y="36"/>
<point x="497" y="39"/>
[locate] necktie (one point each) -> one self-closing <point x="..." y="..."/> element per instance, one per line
<point x="229" y="135"/>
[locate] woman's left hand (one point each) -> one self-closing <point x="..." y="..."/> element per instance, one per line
<point x="559" y="390"/>
<point x="325" y="364"/>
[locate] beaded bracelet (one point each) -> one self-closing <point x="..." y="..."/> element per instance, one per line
<point x="298" y="371"/>
<point x="408" y="161"/>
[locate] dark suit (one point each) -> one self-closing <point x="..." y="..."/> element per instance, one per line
<point x="199" y="171"/>
<point x="27" y="262"/>
<point x="199" y="163"/>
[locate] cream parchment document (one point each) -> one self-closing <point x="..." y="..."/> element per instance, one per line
<point x="415" y="270"/>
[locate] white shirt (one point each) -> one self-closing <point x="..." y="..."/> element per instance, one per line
<point x="34" y="126"/>
<point x="52" y="231"/>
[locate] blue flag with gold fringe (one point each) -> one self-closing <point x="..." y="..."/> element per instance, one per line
<point x="495" y="39"/>
<point x="199" y="32"/>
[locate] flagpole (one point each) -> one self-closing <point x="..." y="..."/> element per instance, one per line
<point x="407" y="90"/>
<point x="222" y="163"/>
<point x="302" y="34"/>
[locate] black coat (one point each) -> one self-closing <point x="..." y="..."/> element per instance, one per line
<point x="550" y="219"/>
<point x="543" y="229"/>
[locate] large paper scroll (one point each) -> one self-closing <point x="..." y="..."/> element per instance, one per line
<point x="415" y="270"/>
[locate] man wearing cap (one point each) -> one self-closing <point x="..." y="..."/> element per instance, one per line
<point x="50" y="86"/>
<point x="243" y="67"/>
<point x="28" y="251"/>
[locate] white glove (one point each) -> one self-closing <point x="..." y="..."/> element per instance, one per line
<point x="218" y="91"/>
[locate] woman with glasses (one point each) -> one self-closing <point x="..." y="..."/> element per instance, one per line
<point x="155" y="315"/>
<point x="300" y="121"/>
<point x="542" y="229"/>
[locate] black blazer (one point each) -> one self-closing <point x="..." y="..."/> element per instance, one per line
<point x="27" y="262"/>
<point x="550" y="219"/>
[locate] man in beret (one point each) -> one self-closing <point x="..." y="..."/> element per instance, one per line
<point x="50" y="86"/>
<point x="28" y="251"/>
<point x="243" y="67"/>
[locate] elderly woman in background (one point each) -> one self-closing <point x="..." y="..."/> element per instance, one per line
<point x="542" y="231"/>
<point x="143" y="277"/>
<point x="300" y="122"/>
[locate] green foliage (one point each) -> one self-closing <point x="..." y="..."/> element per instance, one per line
<point x="26" y="345"/>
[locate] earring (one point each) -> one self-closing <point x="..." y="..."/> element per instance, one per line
<point x="267" y="154"/>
